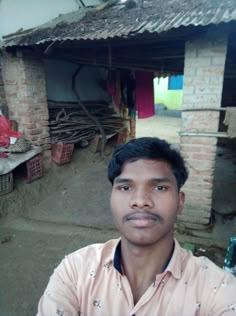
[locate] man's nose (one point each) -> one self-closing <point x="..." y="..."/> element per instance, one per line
<point x="141" y="199"/>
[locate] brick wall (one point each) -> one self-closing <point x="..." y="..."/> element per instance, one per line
<point x="203" y="82"/>
<point x="25" y="89"/>
<point x="3" y="101"/>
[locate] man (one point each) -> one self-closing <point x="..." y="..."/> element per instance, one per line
<point x="145" y="272"/>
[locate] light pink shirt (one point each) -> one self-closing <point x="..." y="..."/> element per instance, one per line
<point x="86" y="283"/>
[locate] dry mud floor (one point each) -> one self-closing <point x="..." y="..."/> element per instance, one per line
<point x="66" y="209"/>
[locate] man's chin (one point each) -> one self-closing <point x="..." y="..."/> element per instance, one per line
<point x="140" y="241"/>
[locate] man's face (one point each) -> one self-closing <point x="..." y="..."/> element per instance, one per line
<point x="145" y="202"/>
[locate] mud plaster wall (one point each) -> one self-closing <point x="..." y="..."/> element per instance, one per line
<point x="203" y="83"/>
<point x="59" y="82"/>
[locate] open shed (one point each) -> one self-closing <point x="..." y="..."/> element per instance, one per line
<point x="193" y="38"/>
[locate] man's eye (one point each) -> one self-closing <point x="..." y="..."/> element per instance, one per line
<point x="124" y="188"/>
<point x="159" y="188"/>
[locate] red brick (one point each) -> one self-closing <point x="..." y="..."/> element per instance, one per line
<point x="201" y="81"/>
<point x="203" y="61"/>
<point x="28" y="101"/>
<point x="204" y="156"/>
<point x="12" y="95"/>
<point x="198" y="193"/>
<point x="25" y="82"/>
<point x="194" y="178"/>
<point x="199" y="186"/>
<point x="42" y="112"/>
<point x="208" y="186"/>
<point x="32" y="138"/>
<point x="216" y="81"/>
<point x="204" y="140"/>
<point x="30" y="125"/>
<point x="43" y="136"/>
<point x="190" y="149"/>
<point x="208" y="179"/>
<point x="200" y="202"/>
<point x="24" y="114"/>
<point x="210" y="71"/>
<point x="185" y="155"/>
<point x="44" y="123"/>
<point x="9" y="82"/>
<point x="45" y="117"/>
<point x="27" y="119"/>
<point x="35" y="131"/>
<point x="201" y="165"/>
<point x="186" y="140"/>
<point x="42" y="100"/>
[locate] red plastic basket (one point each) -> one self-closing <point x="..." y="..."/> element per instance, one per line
<point x="6" y="183"/>
<point x="62" y="153"/>
<point x="34" y="168"/>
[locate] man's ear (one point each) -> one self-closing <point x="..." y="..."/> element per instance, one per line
<point x="181" y="202"/>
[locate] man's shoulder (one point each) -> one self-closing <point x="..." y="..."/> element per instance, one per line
<point x="207" y="272"/>
<point x="93" y="251"/>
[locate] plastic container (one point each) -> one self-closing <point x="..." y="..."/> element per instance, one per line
<point x="62" y="153"/>
<point x="34" y="168"/>
<point x="6" y="183"/>
<point x="230" y="259"/>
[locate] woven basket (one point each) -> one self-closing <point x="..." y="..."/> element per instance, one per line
<point x="21" y="146"/>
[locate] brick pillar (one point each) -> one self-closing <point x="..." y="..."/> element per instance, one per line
<point x="203" y="82"/>
<point x="25" y="88"/>
<point x="3" y="101"/>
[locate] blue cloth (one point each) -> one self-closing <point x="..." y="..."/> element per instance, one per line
<point x="176" y="82"/>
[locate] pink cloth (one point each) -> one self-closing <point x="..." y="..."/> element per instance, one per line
<point x="6" y="132"/>
<point x="144" y="94"/>
<point x="3" y="155"/>
<point x="87" y="283"/>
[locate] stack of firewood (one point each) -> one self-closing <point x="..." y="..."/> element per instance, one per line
<point x="71" y="125"/>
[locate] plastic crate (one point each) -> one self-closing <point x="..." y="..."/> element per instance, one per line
<point x="34" y="168"/>
<point x="6" y="183"/>
<point x="62" y="153"/>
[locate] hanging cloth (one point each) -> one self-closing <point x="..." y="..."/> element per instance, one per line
<point x="144" y="94"/>
<point x="128" y="92"/>
<point x="113" y="87"/>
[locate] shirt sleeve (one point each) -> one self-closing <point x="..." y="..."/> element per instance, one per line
<point x="224" y="303"/>
<point x="60" y="297"/>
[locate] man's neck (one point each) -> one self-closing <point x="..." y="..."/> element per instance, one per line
<point x="142" y="264"/>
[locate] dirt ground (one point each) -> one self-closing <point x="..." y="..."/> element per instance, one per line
<point x="160" y="126"/>
<point x="66" y="209"/>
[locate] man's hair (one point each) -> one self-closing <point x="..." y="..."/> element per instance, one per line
<point x="151" y="148"/>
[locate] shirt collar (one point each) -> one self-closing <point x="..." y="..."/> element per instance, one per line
<point x="117" y="258"/>
<point x="175" y="265"/>
<point x="114" y="256"/>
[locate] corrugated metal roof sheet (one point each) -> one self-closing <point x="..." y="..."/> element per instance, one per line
<point x="153" y="16"/>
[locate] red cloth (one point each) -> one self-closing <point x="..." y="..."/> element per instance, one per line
<point x="3" y="155"/>
<point x="4" y="141"/>
<point x="6" y="132"/>
<point x="144" y="94"/>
